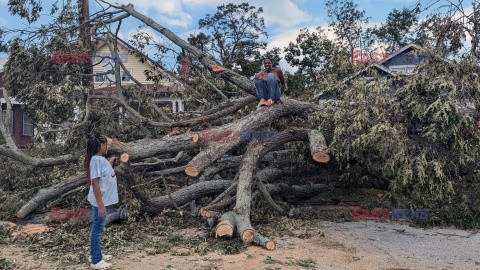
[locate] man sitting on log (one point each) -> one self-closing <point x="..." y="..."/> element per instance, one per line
<point x="268" y="83"/>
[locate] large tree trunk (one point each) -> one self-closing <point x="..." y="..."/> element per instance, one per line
<point x="46" y="194"/>
<point x="261" y="117"/>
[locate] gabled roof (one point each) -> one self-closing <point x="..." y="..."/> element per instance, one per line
<point x="406" y="48"/>
<point x="399" y="51"/>
<point x="178" y="81"/>
<point x="372" y="65"/>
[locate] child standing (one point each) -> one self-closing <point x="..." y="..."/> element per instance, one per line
<point x="103" y="193"/>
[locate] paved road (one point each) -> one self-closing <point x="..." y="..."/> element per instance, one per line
<point x="424" y="248"/>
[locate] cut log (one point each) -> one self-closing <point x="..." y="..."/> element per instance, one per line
<point x="191" y="171"/>
<point x="255" y="152"/>
<point x="318" y="146"/>
<point x="247" y="235"/>
<point x="244" y="228"/>
<point x="47" y="194"/>
<point x="124" y="157"/>
<point x="196" y="138"/>
<point x="116" y="215"/>
<point x="209" y="214"/>
<point x="226" y="225"/>
<point x="166" y="172"/>
<point x="262" y="241"/>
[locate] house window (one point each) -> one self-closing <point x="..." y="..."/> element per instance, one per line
<point x="27" y="126"/>
<point x="125" y="77"/>
<point x="99" y="78"/>
<point x="102" y="78"/>
<point x="11" y="120"/>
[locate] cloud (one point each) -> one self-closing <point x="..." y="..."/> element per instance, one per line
<point x="282" y="12"/>
<point x="3" y="1"/>
<point x="3" y="21"/>
<point x="283" y="39"/>
<point x="148" y="31"/>
<point x="285" y="13"/>
<point x="170" y="12"/>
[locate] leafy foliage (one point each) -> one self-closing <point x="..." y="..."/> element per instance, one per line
<point x="235" y="33"/>
<point x="319" y="61"/>
<point x="397" y="31"/>
<point x="413" y="140"/>
<point x="348" y="23"/>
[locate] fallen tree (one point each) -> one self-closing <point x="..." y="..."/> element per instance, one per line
<point x="369" y="139"/>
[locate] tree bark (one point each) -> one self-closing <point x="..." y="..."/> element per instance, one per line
<point x="318" y="146"/>
<point x="255" y="152"/>
<point x="262" y="241"/>
<point x="261" y="117"/>
<point x="46" y="194"/>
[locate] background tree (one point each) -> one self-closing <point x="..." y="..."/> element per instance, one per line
<point x="399" y="29"/>
<point x="320" y="61"/>
<point x="349" y="24"/>
<point x="236" y="31"/>
<point x="201" y="41"/>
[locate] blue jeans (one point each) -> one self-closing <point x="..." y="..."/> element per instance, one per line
<point x="269" y="89"/>
<point x="96" y="235"/>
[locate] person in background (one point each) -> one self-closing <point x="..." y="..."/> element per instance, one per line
<point x="103" y="193"/>
<point x="270" y="84"/>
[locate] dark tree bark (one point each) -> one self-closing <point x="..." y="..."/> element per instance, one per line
<point x="46" y="194"/>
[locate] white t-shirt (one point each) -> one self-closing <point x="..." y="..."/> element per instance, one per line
<point x="101" y="168"/>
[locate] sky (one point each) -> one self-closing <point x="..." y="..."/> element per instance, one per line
<point x="283" y="18"/>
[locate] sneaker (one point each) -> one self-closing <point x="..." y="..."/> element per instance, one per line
<point x="101" y="265"/>
<point x="262" y="102"/>
<point x="269" y="102"/>
<point x="104" y="257"/>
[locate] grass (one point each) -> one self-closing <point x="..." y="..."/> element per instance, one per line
<point x="5" y="264"/>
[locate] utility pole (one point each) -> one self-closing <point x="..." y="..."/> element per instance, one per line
<point x="84" y="36"/>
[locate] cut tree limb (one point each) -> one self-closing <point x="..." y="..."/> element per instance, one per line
<point x="255" y="152"/>
<point x="226" y="225"/>
<point x="268" y="198"/>
<point x="209" y="214"/>
<point x="216" y="149"/>
<point x="262" y="241"/>
<point x="318" y="146"/>
<point x="47" y="194"/>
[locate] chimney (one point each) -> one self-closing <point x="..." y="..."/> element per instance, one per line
<point x="185" y="69"/>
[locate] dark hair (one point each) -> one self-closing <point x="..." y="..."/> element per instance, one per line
<point x="93" y="146"/>
<point x="265" y="59"/>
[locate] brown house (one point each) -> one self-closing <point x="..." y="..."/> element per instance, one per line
<point x="21" y="126"/>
